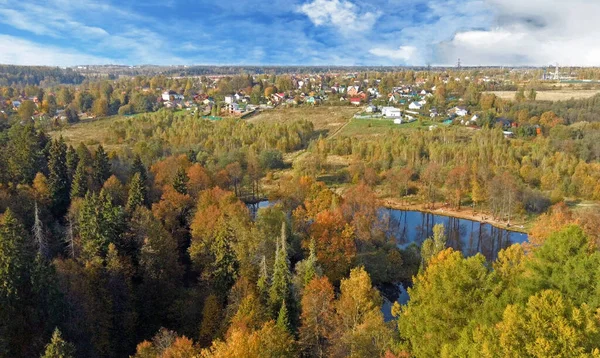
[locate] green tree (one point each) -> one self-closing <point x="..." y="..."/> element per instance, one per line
<point x="58" y="179"/>
<point x="72" y="161"/>
<point x="80" y="181"/>
<point x="433" y="245"/>
<point x="58" y="347"/>
<point x="26" y="148"/>
<point x="427" y="322"/>
<point x="100" y="224"/>
<point x="180" y="181"/>
<point x="138" y="167"/>
<point x="16" y="257"/>
<point x="26" y="110"/>
<point x="100" y="168"/>
<point x="281" y="280"/>
<point x="283" y="319"/>
<point x="137" y="193"/>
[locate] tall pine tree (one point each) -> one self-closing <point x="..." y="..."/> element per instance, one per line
<point x="80" y="181"/>
<point x="100" y="168"/>
<point x="58" y="179"/>
<point x="72" y="161"/>
<point x="137" y="193"/>
<point x="280" y="283"/>
<point x="138" y="167"/>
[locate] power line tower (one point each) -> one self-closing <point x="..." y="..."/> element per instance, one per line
<point x="458" y="66"/>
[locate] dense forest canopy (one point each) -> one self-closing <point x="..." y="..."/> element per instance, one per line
<point x="137" y="240"/>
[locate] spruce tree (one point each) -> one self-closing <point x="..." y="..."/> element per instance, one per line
<point x="263" y="280"/>
<point x="80" y="181"/>
<point x="38" y="234"/>
<point x="224" y="266"/>
<point x="58" y="347"/>
<point x="16" y="257"/>
<point x="137" y="193"/>
<point x="283" y="319"/>
<point x="58" y="179"/>
<point x="100" y="168"/>
<point x="72" y="162"/>
<point x="280" y="284"/>
<point x="138" y="167"/>
<point x="310" y="270"/>
<point x="180" y="181"/>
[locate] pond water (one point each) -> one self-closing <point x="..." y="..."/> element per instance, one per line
<point x="468" y="236"/>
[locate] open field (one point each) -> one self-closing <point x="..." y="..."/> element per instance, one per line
<point x="376" y="127"/>
<point x="559" y="95"/>
<point x="329" y="119"/>
<point x="90" y="132"/>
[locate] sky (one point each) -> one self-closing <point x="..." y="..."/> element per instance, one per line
<point x="300" y="32"/>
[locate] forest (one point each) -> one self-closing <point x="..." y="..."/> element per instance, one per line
<point x="145" y="242"/>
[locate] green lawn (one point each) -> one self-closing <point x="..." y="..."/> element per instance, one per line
<point x="375" y="127"/>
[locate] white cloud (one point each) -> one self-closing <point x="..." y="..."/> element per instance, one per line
<point x="533" y="32"/>
<point x="14" y="50"/>
<point x="403" y="53"/>
<point x="343" y="15"/>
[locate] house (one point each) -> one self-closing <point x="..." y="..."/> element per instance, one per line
<point x="355" y="100"/>
<point x="229" y="100"/>
<point x="398" y="121"/>
<point x="370" y="109"/>
<point x="353" y="90"/>
<point x="391" y="112"/>
<point x="415" y="105"/>
<point x="171" y="96"/>
<point x="460" y="111"/>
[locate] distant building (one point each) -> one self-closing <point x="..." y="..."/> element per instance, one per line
<point x="391" y="112"/>
<point x="415" y="105"/>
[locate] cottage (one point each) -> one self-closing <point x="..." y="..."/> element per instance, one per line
<point x="415" y="105"/>
<point x="355" y="101"/>
<point x="391" y="112"/>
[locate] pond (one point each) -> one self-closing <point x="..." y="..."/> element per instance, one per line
<point x="468" y="236"/>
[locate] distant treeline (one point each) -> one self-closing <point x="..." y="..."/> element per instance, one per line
<point x="38" y="75"/>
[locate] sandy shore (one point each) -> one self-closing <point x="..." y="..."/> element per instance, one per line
<point x="465" y="213"/>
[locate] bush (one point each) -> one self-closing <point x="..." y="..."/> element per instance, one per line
<point x="271" y="159"/>
<point x="126" y="110"/>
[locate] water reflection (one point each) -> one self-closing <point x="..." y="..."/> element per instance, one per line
<point x="470" y="237"/>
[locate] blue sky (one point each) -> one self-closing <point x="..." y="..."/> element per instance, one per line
<point x="299" y="32"/>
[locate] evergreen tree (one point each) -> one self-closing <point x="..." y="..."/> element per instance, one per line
<point x="100" y="168"/>
<point x="80" y="181"/>
<point x="26" y="148"/>
<point x="39" y="236"/>
<point x="58" y="179"/>
<point x="224" y="267"/>
<point x="180" y="181"/>
<point x="263" y="280"/>
<point x="72" y="162"/>
<point x="58" y="347"/>
<point x="137" y="193"/>
<point x="310" y="270"/>
<point x="15" y="289"/>
<point x="283" y="319"/>
<point x="138" y="167"/>
<point x="100" y="223"/>
<point x="280" y="284"/>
